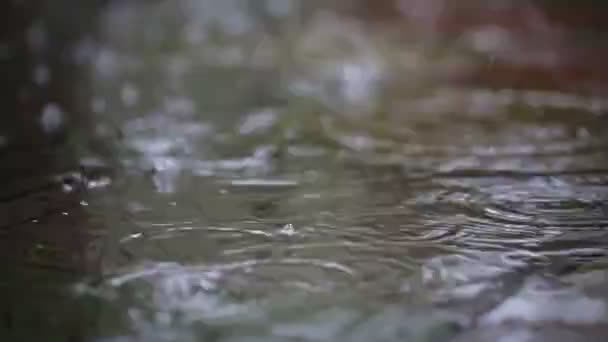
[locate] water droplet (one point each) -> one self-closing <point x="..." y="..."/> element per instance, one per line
<point x="52" y="119"/>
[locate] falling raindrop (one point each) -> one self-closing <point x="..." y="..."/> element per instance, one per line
<point x="52" y="119"/>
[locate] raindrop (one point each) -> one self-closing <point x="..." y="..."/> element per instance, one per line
<point x="52" y="119"/>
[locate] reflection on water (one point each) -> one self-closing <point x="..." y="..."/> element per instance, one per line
<point x="296" y="170"/>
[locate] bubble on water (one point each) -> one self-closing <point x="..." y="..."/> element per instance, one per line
<point x="52" y="118"/>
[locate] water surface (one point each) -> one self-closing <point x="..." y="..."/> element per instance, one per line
<point x="299" y="171"/>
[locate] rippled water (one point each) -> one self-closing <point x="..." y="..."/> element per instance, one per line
<point x="296" y="173"/>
